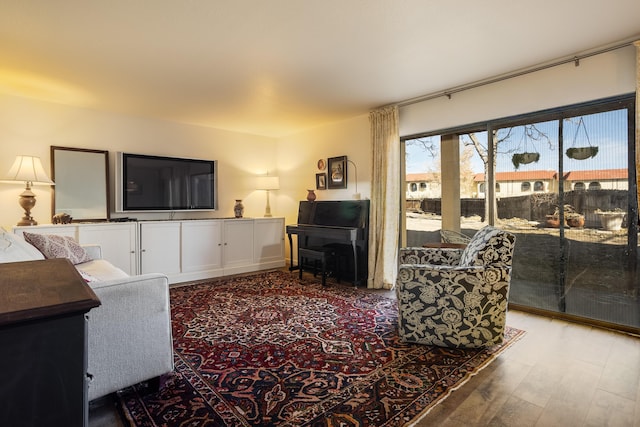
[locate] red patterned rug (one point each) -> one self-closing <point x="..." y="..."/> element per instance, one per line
<point x="268" y="350"/>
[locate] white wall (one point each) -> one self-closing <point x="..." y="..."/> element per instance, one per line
<point x="30" y="127"/>
<point x="298" y="156"/>
<point x="597" y="77"/>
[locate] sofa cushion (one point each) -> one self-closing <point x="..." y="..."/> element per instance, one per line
<point x="54" y="246"/>
<point x="100" y="270"/>
<point x="13" y="248"/>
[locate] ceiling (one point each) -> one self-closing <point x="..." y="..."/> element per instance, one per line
<point x="275" y="67"/>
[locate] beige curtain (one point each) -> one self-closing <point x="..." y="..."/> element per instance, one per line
<point x="385" y="198"/>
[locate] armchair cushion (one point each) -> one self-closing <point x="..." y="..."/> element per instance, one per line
<point x="456" y="305"/>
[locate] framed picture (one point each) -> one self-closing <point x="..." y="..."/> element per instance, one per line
<point x="321" y="181"/>
<point x="337" y="172"/>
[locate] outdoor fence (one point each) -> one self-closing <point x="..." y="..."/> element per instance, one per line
<point x="536" y="206"/>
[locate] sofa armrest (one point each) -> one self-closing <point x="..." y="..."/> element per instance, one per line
<point x="94" y="251"/>
<point x="130" y="338"/>
<point x="432" y="256"/>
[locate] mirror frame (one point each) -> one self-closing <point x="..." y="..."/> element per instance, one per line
<point x="99" y="174"/>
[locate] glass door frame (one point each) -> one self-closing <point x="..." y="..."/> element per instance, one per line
<point x="627" y="102"/>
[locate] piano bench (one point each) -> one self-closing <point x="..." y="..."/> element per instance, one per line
<point x="317" y="254"/>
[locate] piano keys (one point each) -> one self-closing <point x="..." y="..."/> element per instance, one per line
<point x="340" y="224"/>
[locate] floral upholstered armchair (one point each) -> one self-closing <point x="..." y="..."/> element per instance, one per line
<point x="456" y="297"/>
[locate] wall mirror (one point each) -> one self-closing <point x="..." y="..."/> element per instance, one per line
<point x="82" y="183"/>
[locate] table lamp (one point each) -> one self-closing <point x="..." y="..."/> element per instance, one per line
<point x="28" y="169"/>
<point x="268" y="183"/>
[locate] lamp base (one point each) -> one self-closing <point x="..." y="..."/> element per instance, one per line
<point x="27" y="221"/>
<point x="27" y="201"/>
<point x="267" y="210"/>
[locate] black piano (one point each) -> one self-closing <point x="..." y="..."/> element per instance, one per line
<point x="340" y="224"/>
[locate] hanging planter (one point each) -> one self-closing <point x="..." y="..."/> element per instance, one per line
<point x="585" y="152"/>
<point x="524" y="159"/>
<point x="581" y="153"/>
<point x="524" y="156"/>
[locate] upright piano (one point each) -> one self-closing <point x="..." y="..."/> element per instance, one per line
<point x="341" y="224"/>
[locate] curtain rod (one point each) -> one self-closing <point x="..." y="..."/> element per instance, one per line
<point x="575" y="59"/>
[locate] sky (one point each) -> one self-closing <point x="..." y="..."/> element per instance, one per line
<point x="607" y="131"/>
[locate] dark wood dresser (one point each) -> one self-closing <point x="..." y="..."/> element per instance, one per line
<point x="43" y="344"/>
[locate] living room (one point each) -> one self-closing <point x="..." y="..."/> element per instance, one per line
<point x="45" y="108"/>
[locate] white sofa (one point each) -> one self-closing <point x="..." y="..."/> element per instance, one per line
<point x="129" y="334"/>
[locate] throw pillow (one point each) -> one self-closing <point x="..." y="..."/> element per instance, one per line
<point x="54" y="246"/>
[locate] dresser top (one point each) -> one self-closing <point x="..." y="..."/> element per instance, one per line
<point x="32" y="290"/>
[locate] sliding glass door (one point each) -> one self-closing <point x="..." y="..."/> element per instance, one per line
<point x="564" y="181"/>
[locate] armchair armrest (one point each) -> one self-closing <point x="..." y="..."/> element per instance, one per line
<point x="431" y="256"/>
<point x="468" y="277"/>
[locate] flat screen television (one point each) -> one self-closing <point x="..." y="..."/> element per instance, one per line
<point x="155" y="183"/>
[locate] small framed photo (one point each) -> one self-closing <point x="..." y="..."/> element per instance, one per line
<point x="321" y="181"/>
<point x="337" y="172"/>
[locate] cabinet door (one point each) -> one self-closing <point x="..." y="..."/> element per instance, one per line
<point x="117" y="240"/>
<point x="238" y="243"/>
<point x="201" y="246"/>
<point x="160" y="247"/>
<point x="268" y="240"/>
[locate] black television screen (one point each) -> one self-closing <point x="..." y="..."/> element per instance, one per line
<point x="154" y="183"/>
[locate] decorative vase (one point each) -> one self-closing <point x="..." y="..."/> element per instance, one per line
<point x="311" y="196"/>
<point x="238" y="209"/>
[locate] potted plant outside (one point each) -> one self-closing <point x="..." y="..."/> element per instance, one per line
<point x="572" y="218"/>
<point x="611" y="220"/>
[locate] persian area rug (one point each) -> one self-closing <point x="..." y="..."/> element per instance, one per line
<point x="269" y="350"/>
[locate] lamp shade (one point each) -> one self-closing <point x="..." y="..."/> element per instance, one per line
<point x="28" y="169"/>
<point x="267" y="183"/>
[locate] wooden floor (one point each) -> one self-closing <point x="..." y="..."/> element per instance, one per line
<point x="558" y="374"/>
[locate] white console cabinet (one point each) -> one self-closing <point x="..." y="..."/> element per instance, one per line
<point x="201" y="249"/>
<point x="118" y="240"/>
<point x="70" y="230"/>
<point x="160" y="248"/>
<point x="268" y="241"/>
<point x="184" y="250"/>
<point x="238" y="245"/>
